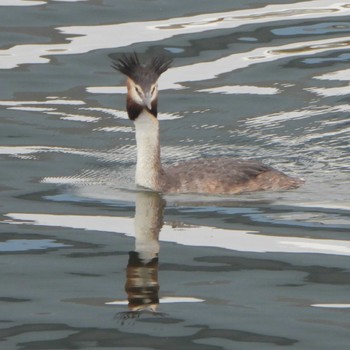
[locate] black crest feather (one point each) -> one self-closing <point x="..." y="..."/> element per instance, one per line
<point x="160" y="64"/>
<point x="131" y="66"/>
<point x="127" y="64"/>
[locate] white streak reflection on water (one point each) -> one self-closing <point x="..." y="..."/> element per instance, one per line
<point x="21" y="3"/>
<point x="118" y="35"/>
<point x="178" y="76"/>
<point x="192" y="236"/>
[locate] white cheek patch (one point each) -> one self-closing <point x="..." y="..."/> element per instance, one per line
<point x="135" y="96"/>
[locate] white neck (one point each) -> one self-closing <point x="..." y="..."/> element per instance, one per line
<point x="148" y="167"/>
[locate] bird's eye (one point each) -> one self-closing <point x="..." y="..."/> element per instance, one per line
<point x="138" y="90"/>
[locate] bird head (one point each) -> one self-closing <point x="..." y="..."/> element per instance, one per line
<point x="142" y="82"/>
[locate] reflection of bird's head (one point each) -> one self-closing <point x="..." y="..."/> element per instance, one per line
<point x="142" y="81"/>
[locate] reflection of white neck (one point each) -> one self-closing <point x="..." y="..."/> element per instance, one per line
<point x="148" y="222"/>
<point x="148" y="166"/>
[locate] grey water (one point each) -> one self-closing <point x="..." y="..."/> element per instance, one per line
<point x="88" y="261"/>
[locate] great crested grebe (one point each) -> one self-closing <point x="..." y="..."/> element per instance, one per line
<point x="222" y="175"/>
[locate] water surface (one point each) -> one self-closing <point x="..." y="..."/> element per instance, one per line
<point x="90" y="262"/>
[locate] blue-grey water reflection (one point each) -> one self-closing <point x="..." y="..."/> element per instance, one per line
<point x="82" y="269"/>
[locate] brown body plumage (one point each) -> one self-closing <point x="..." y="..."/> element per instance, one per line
<point x="211" y="175"/>
<point x="226" y="176"/>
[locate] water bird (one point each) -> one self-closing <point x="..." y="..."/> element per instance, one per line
<point x="217" y="175"/>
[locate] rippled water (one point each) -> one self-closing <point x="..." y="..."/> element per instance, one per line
<point x="81" y="269"/>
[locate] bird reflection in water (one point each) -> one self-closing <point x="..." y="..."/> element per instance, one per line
<point x="142" y="285"/>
